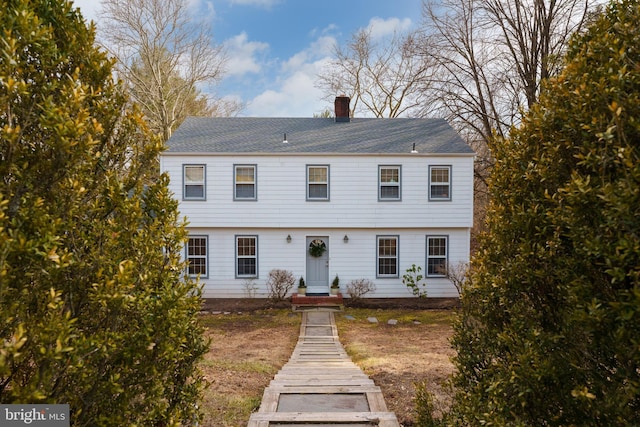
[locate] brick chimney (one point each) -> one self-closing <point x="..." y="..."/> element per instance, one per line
<point x="342" y="108"/>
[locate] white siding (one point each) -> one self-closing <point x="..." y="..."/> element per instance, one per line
<point x="354" y="210"/>
<point x="353" y="260"/>
<point x="281" y="193"/>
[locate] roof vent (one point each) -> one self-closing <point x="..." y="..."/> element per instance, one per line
<point x="413" y="150"/>
<point x="284" y="141"/>
<point x="341" y="105"/>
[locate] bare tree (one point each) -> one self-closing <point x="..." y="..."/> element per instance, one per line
<point x="164" y="57"/>
<point x="493" y="55"/>
<point x="457" y="274"/>
<point x="382" y="78"/>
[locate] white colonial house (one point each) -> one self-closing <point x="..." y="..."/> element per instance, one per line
<point x="377" y="194"/>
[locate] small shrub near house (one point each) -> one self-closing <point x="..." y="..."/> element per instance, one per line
<point x="457" y="274"/>
<point x="250" y="288"/>
<point x="413" y="279"/>
<point x="279" y="284"/>
<point x="358" y="288"/>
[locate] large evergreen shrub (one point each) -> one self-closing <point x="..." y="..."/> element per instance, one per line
<point x="549" y="332"/>
<point x="94" y="309"/>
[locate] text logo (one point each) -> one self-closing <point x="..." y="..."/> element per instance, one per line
<point x="34" y="415"/>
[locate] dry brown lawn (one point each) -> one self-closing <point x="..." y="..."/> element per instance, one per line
<point x="250" y="344"/>
<point x="397" y="357"/>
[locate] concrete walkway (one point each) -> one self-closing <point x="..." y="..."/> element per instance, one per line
<point x="320" y="385"/>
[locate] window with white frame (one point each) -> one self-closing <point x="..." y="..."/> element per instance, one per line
<point x="196" y="256"/>
<point x="440" y="183"/>
<point x="193" y="179"/>
<point x="387" y="256"/>
<point x="388" y="182"/>
<point x="244" y="182"/>
<point x="317" y="182"/>
<point x="246" y="256"/>
<point x="437" y="252"/>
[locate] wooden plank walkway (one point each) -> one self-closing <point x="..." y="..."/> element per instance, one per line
<point x="320" y="385"/>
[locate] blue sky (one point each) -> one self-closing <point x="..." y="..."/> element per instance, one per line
<point x="276" y="48"/>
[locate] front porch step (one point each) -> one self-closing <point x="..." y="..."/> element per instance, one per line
<point x="308" y="302"/>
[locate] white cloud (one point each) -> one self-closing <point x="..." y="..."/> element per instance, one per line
<point x="319" y="49"/>
<point x="202" y="11"/>
<point x="294" y="96"/>
<point x="329" y="29"/>
<point x="381" y="28"/>
<point x="294" y="93"/>
<point x="260" y="3"/>
<point x="242" y="53"/>
<point x="195" y="4"/>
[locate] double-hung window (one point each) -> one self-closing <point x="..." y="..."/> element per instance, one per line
<point x="440" y="183"/>
<point x="437" y="251"/>
<point x="387" y="256"/>
<point x="317" y="182"/>
<point x="196" y="256"/>
<point x="193" y="178"/>
<point x="246" y="256"/>
<point x="388" y="182"/>
<point x="245" y="182"/>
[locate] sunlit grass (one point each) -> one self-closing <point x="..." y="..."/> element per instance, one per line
<point x="240" y="366"/>
<point x="229" y="410"/>
<point x="367" y="355"/>
<point x="259" y="319"/>
<point x="404" y="317"/>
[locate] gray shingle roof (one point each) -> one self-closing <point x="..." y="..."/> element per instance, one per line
<point x="315" y="135"/>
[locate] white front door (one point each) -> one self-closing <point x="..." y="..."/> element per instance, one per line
<point x="317" y="265"/>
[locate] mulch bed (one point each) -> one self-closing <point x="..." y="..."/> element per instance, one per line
<point x="254" y="304"/>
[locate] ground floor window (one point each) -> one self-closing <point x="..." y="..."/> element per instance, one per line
<point x="196" y="255"/>
<point x="437" y="252"/>
<point x="387" y="260"/>
<point x="246" y="256"/>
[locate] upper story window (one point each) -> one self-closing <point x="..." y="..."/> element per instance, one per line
<point x="193" y="178"/>
<point x="388" y="182"/>
<point x="196" y="256"/>
<point x="387" y="256"/>
<point x="317" y="182"/>
<point x="246" y="256"/>
<point x="440" y="183"/>
<point x="437" y="252"/>
<point x="245" y="182"/>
